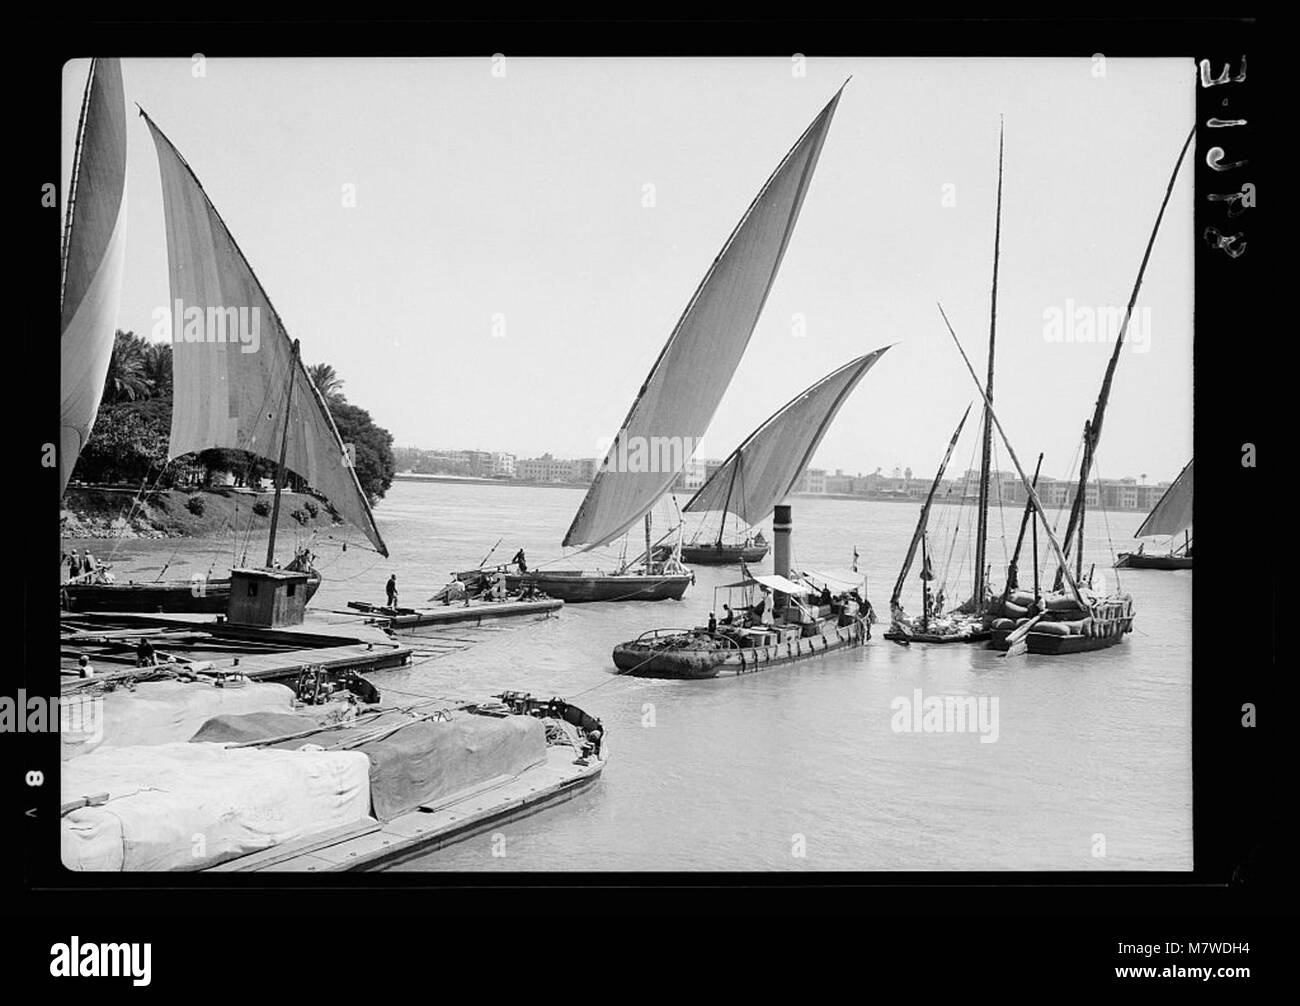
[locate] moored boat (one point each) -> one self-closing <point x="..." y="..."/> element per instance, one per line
<point x="200" y="596"/>
<point x="1073" y="618"/>
<point x="969" y="621"/>
<point x="1171" y="516"/>
<point x="262" y="402"/>
<point x="720" y="553"/>
<point x="578" y="587"/>
<point x="801" y="626"/>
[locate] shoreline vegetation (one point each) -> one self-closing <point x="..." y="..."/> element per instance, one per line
<point x="124" y="485"/>
<point x="106" y="512"/>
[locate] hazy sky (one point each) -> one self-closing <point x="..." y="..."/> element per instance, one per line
<point x="483" y="199"/>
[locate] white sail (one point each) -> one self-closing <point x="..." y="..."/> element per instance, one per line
<point x="686" y="383"/>
<point x="764" y="468"/>
<point x="1173" y="514"/>
<point x="94" y="249"/>
<point x="233" y="360"/>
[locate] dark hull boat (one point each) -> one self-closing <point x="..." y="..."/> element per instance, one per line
<point x="719" y="554"/>
<point x="1073" y="618"/>
<point x="801" y="628"/>
<point x="254" y="402"/>
<point x="965" y="631"/>
<point x="167" y="596"/>
<point x="1138" y="560"/>
<point x="576" y="587"/>
<point x="699" y="654"/>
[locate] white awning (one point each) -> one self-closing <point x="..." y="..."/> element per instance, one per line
<point x="780" y="583"/>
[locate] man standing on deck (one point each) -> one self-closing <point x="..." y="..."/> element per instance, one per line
<point x="144" y="655"/>
<point x="520" y="561"/>
<point x="391" y="590"/>
<point x="713" y="624"/>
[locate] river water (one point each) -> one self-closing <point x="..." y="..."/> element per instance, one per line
<point x="802" y="767"/>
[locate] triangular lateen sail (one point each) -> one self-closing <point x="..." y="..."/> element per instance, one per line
<point x="686" y="383"/>
<point x="230" y="385"/>
<point x="774" y="456"/>
<point x="94" y="249"/>
<point x="1173" y="514"/>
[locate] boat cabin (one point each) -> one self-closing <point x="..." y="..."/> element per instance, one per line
<point x="269" y="598"/>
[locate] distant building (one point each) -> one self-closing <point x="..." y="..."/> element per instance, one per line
<point x="692" y="476"/>
<point x="548" y="468"/>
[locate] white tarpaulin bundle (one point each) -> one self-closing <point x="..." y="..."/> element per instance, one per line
<point x="676" y="403"/>
<point x="191" y="806"/>
<point x="94" y="249"/>
<point x="162" y="712"/>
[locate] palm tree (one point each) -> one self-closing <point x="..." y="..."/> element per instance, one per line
<point x="327" y="382"/>
<point x="157" y="366"/>
<point x="126" y="379"/>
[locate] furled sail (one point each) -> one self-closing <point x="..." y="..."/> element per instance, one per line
<point x="686" y="383"/>
<point x="94" y="244"/>
<point x="764" y="468"/>
<point x="233" y="360"/>
<point x="1173" y="514"/>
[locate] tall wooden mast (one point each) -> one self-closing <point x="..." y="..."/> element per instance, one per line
<point x="982" y="521"/>
<point x="279" y="468"/>
<point x="1092" y="432"/>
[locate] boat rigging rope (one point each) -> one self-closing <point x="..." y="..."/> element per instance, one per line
<point x="1105" y="517"/>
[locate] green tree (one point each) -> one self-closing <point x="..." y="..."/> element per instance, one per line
<point x="157" y="368"/>
<point x="128" y="443"/>
<point x="373" y="446"/>
<point x="126" y="380"/>
<point x="327" y="382"/>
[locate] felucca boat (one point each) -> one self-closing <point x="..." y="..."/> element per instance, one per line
<point x="239" y="383"/>
<point x="1073" y="617"/>
<point x="678" y="399"/>
<point x="1171" y="517"/>
<point x="968" y="622"/>
<point x="94" y="246"/>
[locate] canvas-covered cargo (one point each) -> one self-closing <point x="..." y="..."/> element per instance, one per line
<point x="190" y="806"/>
<point x="165" y="712"/>
<point x="412" y="762"/>
<point x="259" y="726"/>
<point x="427" y="761"/>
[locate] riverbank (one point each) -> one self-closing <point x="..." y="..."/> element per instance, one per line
<point x="91" y="512"/>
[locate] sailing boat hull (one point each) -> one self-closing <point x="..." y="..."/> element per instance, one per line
<point x="168" y="596"/>
<point x="574" y="587"/>
<point x="1134" y="560"/>
<point x="1105" y="624"/>
<point x="722" y="555"/>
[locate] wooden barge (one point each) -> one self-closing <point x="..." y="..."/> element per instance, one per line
<point x="400" y="620"/>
